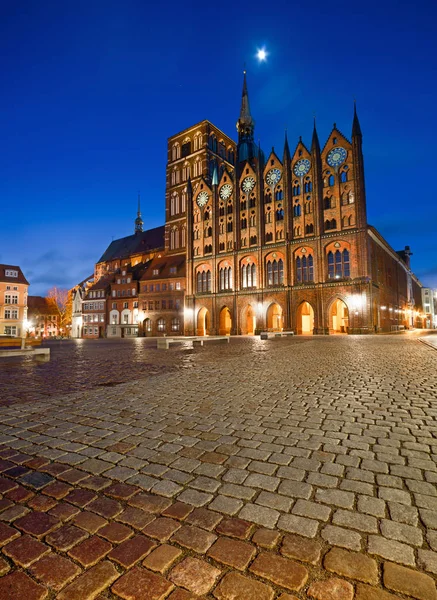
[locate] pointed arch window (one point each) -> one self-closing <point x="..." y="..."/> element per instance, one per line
<point x="275" y="272"/>
<point x="304" y="269"/>
<point x="338" y="264"/>
<point x="296" y="190"/>
<point x="280" y="214"/>
<point x="183" y="237"/>
<point x="225" y="279"/>
<point x="331" y="180"/>
<point x="297" y="210"/>
<point x="308" y="187"/>
<point x="248" y="276"/>
<point x="279" y="195"/>
<point x="343" y="177"/>
<point x="309" y="229"/>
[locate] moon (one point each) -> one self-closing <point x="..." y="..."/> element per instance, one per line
<point x="261" y="55"/>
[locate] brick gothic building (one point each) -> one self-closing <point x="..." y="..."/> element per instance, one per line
<point x="255" y="242"/>
<point x="276" y="243"/>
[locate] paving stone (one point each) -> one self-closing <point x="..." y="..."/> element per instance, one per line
<point x="392" y="495"/>
<point x="261" y="515"/>
<point x="135" y="517"/>
<point x="131" y="551"/>
<point x="66" y="537"/>
<point x="195" y="575"/>
<point x="162" y="558"/>
<point x="25" y="550"/>
<point x="353" y="565"/>
<point x="41" y="503"/>
<point x="234" y="585"/>
<point x="13" y="512"/>
<point x="337" y="536"/>
<point x="90" y="583"/>
<point x="403" y="514"/>
<point x="204" y="518"/>
<point x="313" y="510"/>
<point x="194" y="538"/>
<point x="427" y="560"/>
<point x="36" y="480"/>
<point x="19" y="494"/>
<point x="64" y="511"/>
<point x="355" y="520"/>
<point x="161" y="528"/>
<point x="266" y="538"/>
<point x="275" y="501"/>
<point x="371" y="506"/>
<point x="281" y="571"/>
<point x="301" y="548"/>
<point x="167" y="488"/>
<point x="226" y="505"/>
<point x="106" y="507"/>
<point x="178" y="510"/>
<point x="391" y="550"/>
<point x="331" y="589"/>
<point x="115" y="532"/>
<point x="299" y="525"/>
<point x="37" y="523"/>
<point x="90" y="551"/>
<point x="18" y="585"/>
<point x="336" y="498"/>
<point x="409" y="582"/>
<point x="54" y="571"/>
<point x="402" y="533"/>
<point x="150" y="503"/>
<point x="234" y="553"/>
<point x="89" y="521"/>
<point x="4" y="567"/>
<point x="7" y="534"/>
<point x="237" y="528"/>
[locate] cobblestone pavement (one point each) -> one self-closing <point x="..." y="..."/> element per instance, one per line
<point x="286" y="469"/>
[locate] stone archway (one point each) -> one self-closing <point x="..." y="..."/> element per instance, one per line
<point x="305" y="319"/>
<point x="275" y="321"/>
<point x="225" y="325"/>
<point x="203" y="322"/>
<point x="338" y="317"/>
<point x="147" y="327"/>
<point x="248" y="322"/>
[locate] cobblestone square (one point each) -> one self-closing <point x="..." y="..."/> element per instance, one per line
<point x="300" y="468"/>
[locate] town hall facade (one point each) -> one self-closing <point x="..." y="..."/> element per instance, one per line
<point x="265" y="242"/>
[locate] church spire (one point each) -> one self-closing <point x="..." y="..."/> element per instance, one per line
<point x="315" y="141"/>
<point x="286" y="148"/>
<point x="247" y="148"/>
<point x="139" y="221"/>
<point x="356" y="129"/>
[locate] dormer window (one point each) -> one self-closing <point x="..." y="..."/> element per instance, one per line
<point x="123" y="272"/>
<point x="11" y="273"/>
<point x="173" y="270"/>
<point x="155" y="272"/>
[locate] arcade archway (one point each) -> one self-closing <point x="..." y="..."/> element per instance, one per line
<point x="225" y="321"/>
<point x="338" y="317"/>
<point x="305" y="319"/>
<point x="203" y="322"/>
<point x="248" y="322"/>
<point x="275" y="318"/>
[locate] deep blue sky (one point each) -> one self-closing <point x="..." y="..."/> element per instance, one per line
<point x="90" y="91"/>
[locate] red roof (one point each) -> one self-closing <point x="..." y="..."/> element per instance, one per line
<point x="8" y="278"/>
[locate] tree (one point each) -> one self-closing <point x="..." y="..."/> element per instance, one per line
<point x="61" y="298"/>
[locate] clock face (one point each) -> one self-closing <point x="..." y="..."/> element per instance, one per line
<point x="225" y="191"/>
<point x="202" y="199"/>
<point x="273" y="177"/>
<point x="336" y="156"/>
<point x="248" y="184"/>
<point x="302" y="167"/>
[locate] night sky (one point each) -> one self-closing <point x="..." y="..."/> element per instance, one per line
<point x="91" y="90"/>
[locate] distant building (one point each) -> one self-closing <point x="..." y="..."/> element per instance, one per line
<point x="77" y="295"/>
<point x="429" y="299"/>
<point x="13" y="301"/>
<point x="43" y="317"/>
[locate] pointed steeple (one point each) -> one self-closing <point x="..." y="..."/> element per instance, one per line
<point x="139" y="221"/>
<point x="287" y="155"/>
<point x="315" y="146"/>
<point x="356" y="129"/>
<point x="245" y="126"/>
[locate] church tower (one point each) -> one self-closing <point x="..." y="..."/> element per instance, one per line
<point x="139" y="221"/>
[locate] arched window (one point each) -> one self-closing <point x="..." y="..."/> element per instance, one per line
<point x="243" y="223"/>
<point x="176" y="238"/>
<point x="327" y="202"/>
<point x="343" y="177"/>
<point x="206" y="215"/>
<point x="275" y="272"/>
<point x="296" y="190"/>
<point x="175" y="324"/>
<point x="225" y="278"/>
<point x="172" y="240"/>
<point x="304" y="269"/>
<point x="183" y="237"/>
<point x="161" y="324"/>
<point x="221" y="210"/>
<point x="331" y="180"/>
<point x="248" y="276"/>
<point x="229" y="227"/>
<point x="243" y="205"/>
<point x="338" y="264"/>
<point x="309" y="229"/>
<point x="280" y="214"/>
<point x="229" y="209"/>
<point x="208" y="232"/>
<point x="252" y="220"/>
<point x="296" y="210"/>
<point x="308" y="187"/>
<point x="253" y="240"/>
<point x="279" y="195"/>
<point x="269" y="216"/>
<point x="351" y="197"/>
<point x="269" y="237"/>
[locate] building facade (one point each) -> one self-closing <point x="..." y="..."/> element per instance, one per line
<point x="254" y="242"/>
<point x="13" y="301"/>
<point x="43" y="317"/>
